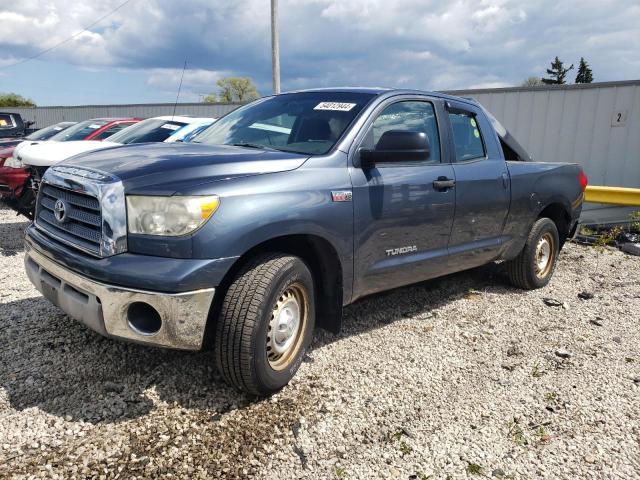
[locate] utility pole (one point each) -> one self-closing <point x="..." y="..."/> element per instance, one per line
<point x="275" y="47"/>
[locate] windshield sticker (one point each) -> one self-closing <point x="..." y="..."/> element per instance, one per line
<point x="476" y="133"/>
<point x="170" y="126"/>
<point x="473" y="122"/>
<point x="57" y="129"/>
<point x="337" y="106"/>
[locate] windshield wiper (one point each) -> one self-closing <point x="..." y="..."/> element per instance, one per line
<point x="253" y="145"/>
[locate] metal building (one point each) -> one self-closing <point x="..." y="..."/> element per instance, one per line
<point x="596" y="125"/>
<point x="45" y="116"/>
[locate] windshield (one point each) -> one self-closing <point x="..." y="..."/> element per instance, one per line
<point x="79" y="131"/>
<point x="48" y="132"/>
<point x="309" y="123"/>
<point x="150" y="130"/>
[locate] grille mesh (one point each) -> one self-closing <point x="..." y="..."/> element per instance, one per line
<point x="82" y="226"/>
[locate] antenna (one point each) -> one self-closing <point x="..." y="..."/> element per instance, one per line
<point x="175" y="105"/>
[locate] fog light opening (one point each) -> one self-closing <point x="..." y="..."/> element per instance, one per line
<point x="143" y="318"/>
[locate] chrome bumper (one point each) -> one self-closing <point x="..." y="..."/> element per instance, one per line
<point x="105" y="308"/>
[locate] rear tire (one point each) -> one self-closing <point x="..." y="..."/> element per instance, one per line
<point x="534" y="266"/>
<point x="265" y="324"/>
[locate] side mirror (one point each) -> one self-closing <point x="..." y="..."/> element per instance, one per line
<point x="397" y="146"/>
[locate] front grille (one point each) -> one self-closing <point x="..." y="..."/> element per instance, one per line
<point x="82" y="226"/>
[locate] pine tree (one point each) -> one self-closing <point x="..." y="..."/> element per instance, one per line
<point x="585" y="75"/>
<point x="557" y="73"/>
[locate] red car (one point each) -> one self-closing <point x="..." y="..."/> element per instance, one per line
<point x="15" y="188"/>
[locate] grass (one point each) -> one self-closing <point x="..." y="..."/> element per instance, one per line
<point x="517" y="433"/>
<point x="474" y="469"/>
<point x="537" y="372"/>
<point x="341" y="472"/>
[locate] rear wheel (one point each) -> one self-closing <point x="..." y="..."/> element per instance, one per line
<point x="534" y="266"/>
<point x="265" y="323"/>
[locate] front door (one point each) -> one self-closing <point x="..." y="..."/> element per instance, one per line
<point x="402" y="219"/>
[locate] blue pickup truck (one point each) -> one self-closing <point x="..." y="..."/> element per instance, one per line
<point x="284" y="211"/>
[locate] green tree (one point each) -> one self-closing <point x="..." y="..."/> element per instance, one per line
<point x="234" y="89"/>
<point x="557" y="73"/>
<point x="15" y="100"/>
<point x="532" y="82"/>
<point x="585" y="75"/>
<point x="211" y="98"/>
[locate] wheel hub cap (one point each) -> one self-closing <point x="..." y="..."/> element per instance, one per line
<point x="286" y="328"/>
<point x="544" y="255"/>
<point x="286" y="325"/>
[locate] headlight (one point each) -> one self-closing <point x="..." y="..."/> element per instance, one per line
<point x="13" y="162"/>
<point x="169" y="216"/>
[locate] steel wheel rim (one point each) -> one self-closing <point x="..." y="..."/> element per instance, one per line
<point x="286" y="328"/>
<point x="544" y="256"/>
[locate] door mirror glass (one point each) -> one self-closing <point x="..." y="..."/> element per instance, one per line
<point x="397" y="146"/>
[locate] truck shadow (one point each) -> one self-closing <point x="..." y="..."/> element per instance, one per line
<point x="12" y="237"/>
<point x="54" y="363"/>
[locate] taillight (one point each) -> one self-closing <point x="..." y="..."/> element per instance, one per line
<point x="584" y="181"/>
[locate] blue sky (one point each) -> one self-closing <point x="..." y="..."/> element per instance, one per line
<point x="136" y="55"/>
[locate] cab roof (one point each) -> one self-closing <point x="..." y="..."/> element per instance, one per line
<point x="386" y="91"/>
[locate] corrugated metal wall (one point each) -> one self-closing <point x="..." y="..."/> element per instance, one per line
<point x="45" y="116"/>
<point x="597" y="126"/>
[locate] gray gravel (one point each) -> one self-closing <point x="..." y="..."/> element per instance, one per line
<point x="454" y="378"/>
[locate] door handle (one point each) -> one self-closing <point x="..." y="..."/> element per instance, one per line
<point x="505" y="180"/>
<point x="442" y="184"/>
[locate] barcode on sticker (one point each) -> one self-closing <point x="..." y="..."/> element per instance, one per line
<point x="339" y="106"/>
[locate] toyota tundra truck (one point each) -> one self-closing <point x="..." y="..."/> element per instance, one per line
<point x="286" y="210"/>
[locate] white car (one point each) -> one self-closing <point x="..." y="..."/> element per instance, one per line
<point x="158" y="129"/>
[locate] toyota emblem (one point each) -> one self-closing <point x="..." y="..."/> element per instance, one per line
<point x="60" y="211"/>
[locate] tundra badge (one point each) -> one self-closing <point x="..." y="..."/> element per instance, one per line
<point x="401" y="251"/>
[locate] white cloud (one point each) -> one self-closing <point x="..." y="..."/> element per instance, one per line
<point x="413" y="43"/>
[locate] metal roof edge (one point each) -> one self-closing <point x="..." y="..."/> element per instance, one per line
<point x="572" y="86"/>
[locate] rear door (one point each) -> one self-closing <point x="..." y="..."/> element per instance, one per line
<point x="402" y="220"/>
<point x="482" y="187"/>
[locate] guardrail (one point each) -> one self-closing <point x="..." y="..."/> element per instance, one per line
<point x="613" y="195"/>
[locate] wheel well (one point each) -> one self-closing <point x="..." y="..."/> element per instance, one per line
<point x="324" y="263"/>
<point x="559" y="215"/>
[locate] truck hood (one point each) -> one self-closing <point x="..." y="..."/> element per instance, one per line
<point x="170" y="168"/>
<point x="46" y="154"/>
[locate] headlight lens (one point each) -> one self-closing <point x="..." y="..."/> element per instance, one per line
<point x="169" y="216"/>
<point x="13" y="162"/>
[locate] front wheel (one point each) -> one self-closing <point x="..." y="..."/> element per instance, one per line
<point x="266" y="322"/>
<point x="534" y="266"/>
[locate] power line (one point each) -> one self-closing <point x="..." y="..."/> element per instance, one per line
<point x="86" y="29"/>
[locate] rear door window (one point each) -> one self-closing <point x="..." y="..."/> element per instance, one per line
<point x="467" y="137"/>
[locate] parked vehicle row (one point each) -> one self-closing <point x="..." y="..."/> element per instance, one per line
<point x="285" y="210"/>
<point x="24" y="161"/>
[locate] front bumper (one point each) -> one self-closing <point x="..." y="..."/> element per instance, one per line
<point x="106" y="308"/>
<point x="12" y="180"/>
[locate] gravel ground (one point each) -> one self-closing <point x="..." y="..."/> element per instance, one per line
<point x="454" y="378"/>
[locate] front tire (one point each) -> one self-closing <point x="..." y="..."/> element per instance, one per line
<point x="266" y="322"/>
<point x="534" y="266"/>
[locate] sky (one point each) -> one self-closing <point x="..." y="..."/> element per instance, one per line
<point x="136" y="54"/>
